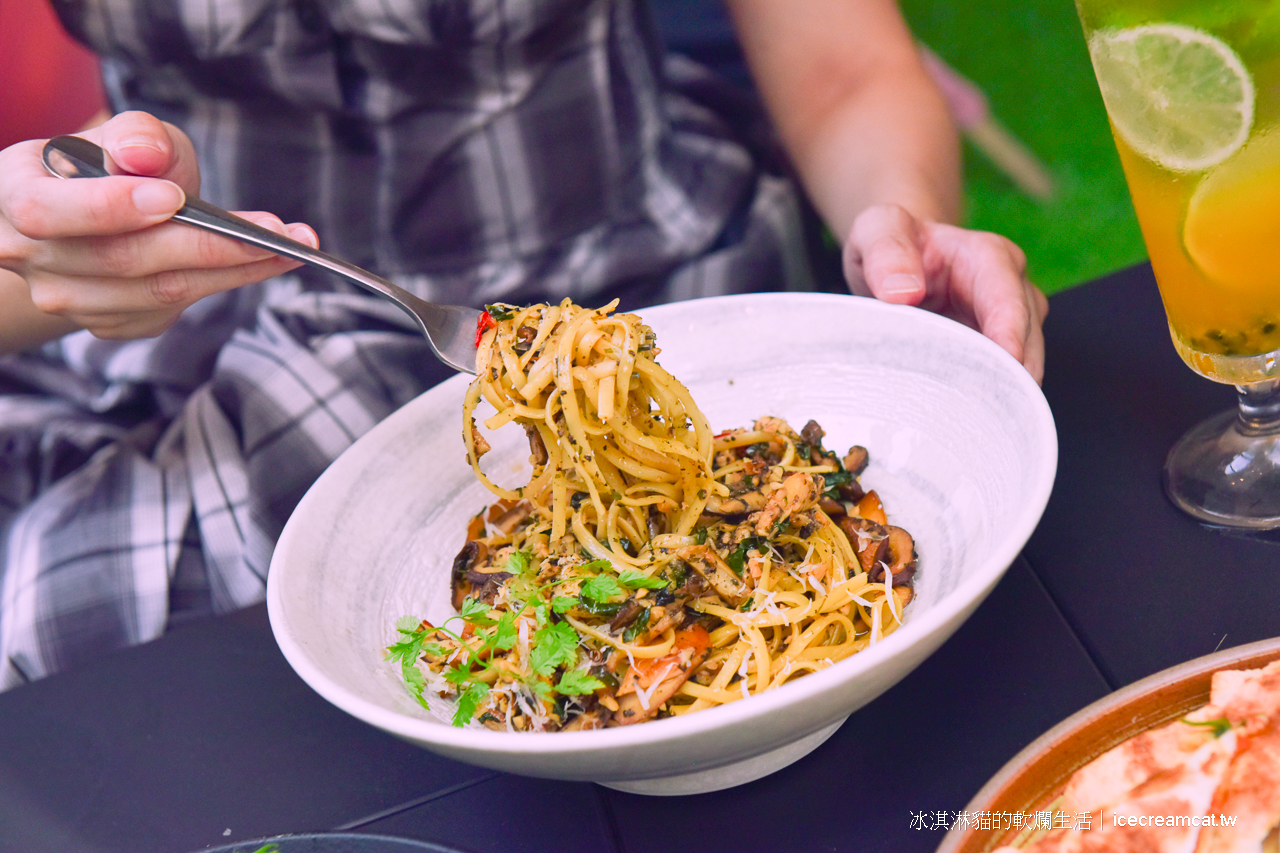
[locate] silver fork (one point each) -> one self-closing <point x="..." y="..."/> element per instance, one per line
<point x="449" y="329"/>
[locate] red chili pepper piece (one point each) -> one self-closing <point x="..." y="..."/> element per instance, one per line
<point x="484" y="324"/>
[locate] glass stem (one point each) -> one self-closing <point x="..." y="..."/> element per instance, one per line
<point x="1259" y="407"/>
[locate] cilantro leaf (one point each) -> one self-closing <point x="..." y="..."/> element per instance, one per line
<point x="410" y="645"/>
<point x="635" y="579"/>
<point x="554" y="645"/>
<point x="597" y="565"/>
<point x="477" y="613"/>
<point x="468" y="701"/>
<point x="600" y="588"/>
<point x="519" y="561"/>
<point x="416" y="682"/>
<point x="406" y="651"/>
<point x="575" y="682"/>
<point x="563" y="603"/>
<point x="504" y="637"/>
<point x="539" y="688"/>
<point x="457" y="675"/>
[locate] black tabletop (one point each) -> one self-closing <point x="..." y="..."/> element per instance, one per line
<point x="206" y="737"/>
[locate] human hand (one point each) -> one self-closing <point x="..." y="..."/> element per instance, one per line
<point x="975" y="277"/>
<point x="101" y="253"/>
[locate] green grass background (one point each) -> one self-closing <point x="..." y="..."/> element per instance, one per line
<point x="1029" y="58"/>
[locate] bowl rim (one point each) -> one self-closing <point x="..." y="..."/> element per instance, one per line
<point x="955" y="605"/>
<point x="1188" y="681"/>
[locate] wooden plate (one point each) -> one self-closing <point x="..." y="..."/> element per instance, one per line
<point x="1036" y="776"/>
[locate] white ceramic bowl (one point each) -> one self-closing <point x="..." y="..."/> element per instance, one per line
<point x="963" y="453"/>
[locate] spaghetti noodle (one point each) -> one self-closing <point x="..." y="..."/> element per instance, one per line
<point x="648" y="568"/>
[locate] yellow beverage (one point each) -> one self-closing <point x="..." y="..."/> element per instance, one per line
<point x="1193" y="94"/>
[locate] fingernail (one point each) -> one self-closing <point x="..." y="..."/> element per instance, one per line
<point x="139" y="142"/>
<point x="304" y="234"/>
<point x="901" y="283"/>
<point x="157" y="197"/>
<point x="272" y="223"/>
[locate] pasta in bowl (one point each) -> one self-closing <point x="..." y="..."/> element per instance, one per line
<point x="961" y="450"/>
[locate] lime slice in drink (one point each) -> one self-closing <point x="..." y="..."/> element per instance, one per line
<point x="1177" y="95"/>
<point x="1232" y="230"/>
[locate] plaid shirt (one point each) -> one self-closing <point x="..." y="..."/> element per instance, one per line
<point x="471" y="151"/>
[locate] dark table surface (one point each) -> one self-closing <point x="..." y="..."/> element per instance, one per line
<point x="206" y="737"/>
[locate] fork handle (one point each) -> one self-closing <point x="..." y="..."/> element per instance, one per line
<point x="201" y="214"/>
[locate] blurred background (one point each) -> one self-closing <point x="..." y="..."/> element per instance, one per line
<point x="1027" y="60"/>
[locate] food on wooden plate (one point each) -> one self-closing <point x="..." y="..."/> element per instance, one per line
<point x="1222" y="760"/>
<point x="648" y="568"/>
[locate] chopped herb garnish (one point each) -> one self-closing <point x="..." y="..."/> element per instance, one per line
<point x="638" y="627"/>
<point x="737" y="559"/>
<point x="833" y="479"/>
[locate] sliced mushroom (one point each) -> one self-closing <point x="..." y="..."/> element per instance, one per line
<point x="525" y="336"/>
<point x="812" y="434"/>
<point x="662" y="617"/>
<point x="869" y="540"/>
<point x="626" y="614"/>
<point x="471" y="553"/>
<point x="478" y="441"/>
<point x="899" y="557"/>
<point x="742" y="504"/>
<point x="832" y="508"/>
<point x="595" y="718"/>
<point x="715" y="571"/>
<point x="855" y="461"/>
<point x="538" y="455"/>
<point x="506" y="516"/>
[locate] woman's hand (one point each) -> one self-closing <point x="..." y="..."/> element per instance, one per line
<point x="872" y="139"/>
<point x="975" y="277"/>
<point x="100" y="253"/>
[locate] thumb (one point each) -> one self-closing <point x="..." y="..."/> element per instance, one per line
<point x="141" y="144"/>
<point x="882" y="256"/>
